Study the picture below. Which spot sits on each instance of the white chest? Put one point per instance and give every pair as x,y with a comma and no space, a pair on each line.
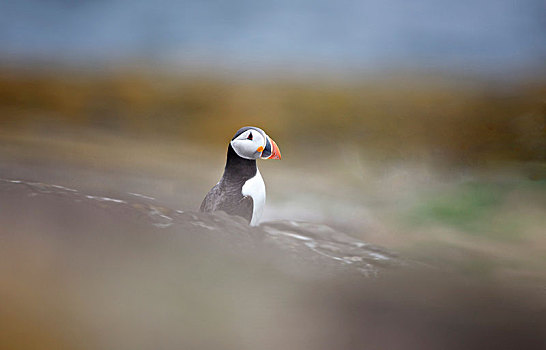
255,188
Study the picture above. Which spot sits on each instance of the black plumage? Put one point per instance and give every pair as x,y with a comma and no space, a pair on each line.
227,195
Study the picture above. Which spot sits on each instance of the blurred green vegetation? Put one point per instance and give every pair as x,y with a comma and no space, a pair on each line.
473,208
464,207
408,116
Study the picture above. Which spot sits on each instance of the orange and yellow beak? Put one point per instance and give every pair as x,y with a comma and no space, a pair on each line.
275,151
271,150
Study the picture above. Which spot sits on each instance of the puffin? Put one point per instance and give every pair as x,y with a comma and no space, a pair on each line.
241,190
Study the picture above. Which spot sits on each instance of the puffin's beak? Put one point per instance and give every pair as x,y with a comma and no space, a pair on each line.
271,150
275,152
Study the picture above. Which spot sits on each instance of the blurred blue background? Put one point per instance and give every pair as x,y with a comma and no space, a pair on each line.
499,37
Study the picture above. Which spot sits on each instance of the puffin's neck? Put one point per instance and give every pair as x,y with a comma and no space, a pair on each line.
238,169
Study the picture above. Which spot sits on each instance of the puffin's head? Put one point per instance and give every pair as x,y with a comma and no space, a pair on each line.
253,143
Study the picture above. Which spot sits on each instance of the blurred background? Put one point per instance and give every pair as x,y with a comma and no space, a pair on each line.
417,126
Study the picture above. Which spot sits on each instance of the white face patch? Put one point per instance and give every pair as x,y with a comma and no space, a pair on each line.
249,144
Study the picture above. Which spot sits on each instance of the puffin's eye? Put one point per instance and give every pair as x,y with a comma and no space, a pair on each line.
249,136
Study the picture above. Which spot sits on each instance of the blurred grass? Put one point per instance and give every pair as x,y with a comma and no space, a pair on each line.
472,208
464,207
406,116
